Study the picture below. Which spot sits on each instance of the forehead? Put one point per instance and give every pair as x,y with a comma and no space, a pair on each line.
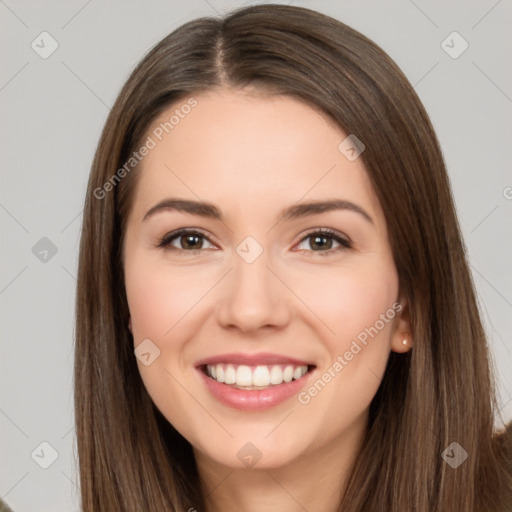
252,149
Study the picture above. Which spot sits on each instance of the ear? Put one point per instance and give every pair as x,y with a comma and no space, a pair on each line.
402,338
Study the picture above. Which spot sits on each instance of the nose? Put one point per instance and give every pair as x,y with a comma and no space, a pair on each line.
253,298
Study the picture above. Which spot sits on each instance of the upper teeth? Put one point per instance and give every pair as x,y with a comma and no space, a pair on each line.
254,375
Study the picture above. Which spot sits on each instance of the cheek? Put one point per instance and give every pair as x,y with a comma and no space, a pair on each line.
159,297
359,306
349,299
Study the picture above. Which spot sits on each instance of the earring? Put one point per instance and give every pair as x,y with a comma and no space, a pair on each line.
405,341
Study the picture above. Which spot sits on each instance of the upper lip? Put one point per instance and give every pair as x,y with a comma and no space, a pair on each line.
253,359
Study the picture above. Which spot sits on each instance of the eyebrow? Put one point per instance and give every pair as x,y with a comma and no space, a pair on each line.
295,211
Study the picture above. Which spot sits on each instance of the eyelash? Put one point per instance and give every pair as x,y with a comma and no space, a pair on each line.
345,244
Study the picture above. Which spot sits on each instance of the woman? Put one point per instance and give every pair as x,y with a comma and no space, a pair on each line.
274,309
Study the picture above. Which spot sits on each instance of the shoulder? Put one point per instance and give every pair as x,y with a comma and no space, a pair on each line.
502,447
4,507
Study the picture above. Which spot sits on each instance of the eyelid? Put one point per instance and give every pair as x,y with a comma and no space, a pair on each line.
165,241
343,240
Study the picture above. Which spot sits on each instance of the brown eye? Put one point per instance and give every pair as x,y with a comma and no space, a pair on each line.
191,241
320,242
323,241
184,240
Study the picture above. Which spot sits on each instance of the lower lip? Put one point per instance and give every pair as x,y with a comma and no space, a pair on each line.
254,399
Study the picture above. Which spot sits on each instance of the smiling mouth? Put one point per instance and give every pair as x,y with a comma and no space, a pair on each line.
255,377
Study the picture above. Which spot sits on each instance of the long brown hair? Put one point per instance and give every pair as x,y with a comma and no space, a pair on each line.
130,457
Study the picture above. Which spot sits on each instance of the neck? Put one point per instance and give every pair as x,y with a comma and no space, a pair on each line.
314,481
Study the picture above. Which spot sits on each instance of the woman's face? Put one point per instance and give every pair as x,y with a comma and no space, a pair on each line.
284,272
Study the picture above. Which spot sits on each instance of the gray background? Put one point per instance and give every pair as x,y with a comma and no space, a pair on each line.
52,111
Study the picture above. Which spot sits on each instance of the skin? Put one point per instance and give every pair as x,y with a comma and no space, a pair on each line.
252,155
